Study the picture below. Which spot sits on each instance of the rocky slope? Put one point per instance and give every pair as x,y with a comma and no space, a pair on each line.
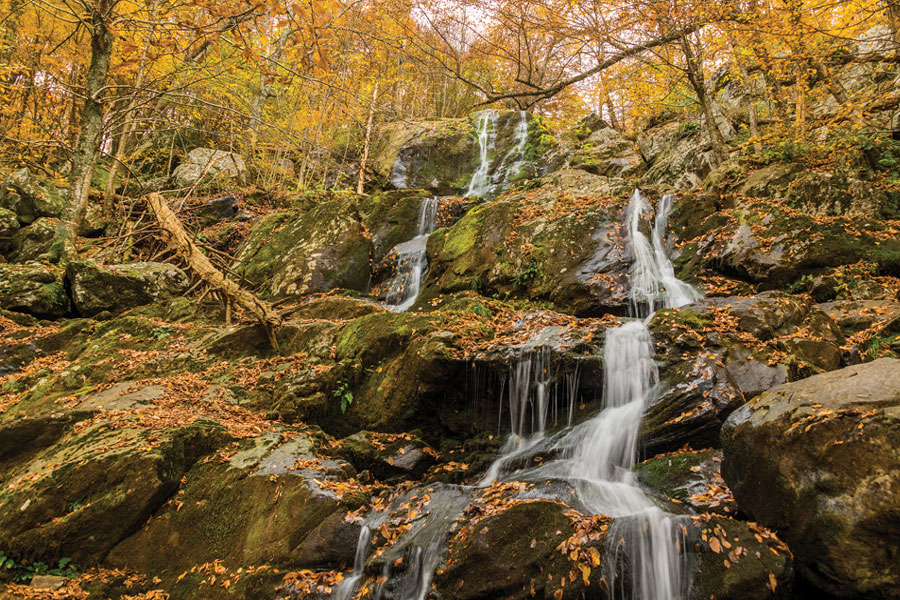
148,449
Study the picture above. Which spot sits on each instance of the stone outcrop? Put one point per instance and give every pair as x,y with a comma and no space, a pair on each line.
816,460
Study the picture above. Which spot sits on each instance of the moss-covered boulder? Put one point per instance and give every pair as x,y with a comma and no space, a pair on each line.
80,497
720,352
325,248
562,243
816,460
386,456
34,289
772,245
9,225
29,243
96,288
30,198
253,505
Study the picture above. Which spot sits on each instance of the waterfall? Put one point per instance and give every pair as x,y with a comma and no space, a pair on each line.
653,281
595,457
604,450
487,138
514,160
403,288
346,589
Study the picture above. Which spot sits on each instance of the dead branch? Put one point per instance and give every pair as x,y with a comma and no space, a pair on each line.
177,238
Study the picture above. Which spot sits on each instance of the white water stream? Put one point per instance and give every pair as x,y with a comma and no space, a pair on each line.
596,456
412,262
486,130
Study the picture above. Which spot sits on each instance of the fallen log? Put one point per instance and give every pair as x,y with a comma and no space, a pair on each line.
180,242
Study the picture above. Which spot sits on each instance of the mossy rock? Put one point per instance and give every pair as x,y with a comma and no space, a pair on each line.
745,562
514,554
30,197
326,248
96,288
9,225
253,507
81,497
572,259
34,289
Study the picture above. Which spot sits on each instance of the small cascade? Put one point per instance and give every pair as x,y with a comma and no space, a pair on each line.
346,589
514,161
487,138
653,281
403,288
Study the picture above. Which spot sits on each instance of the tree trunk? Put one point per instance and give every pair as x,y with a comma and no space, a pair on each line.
361,183
698,82
129,124
89,135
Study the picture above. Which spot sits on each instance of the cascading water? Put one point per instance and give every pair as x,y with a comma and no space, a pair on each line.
481,183
412,262
347,588
597,456
514,161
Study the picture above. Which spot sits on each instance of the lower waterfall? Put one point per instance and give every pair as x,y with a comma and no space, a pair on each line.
595,458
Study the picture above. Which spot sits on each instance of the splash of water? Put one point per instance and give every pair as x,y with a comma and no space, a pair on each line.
487,139
412,262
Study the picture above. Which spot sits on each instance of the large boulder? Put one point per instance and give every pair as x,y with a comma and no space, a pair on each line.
771,245
328,247
254,505
34,289
562,243
720,352
30,198
96,288
79,498
30,242
817,460
202,163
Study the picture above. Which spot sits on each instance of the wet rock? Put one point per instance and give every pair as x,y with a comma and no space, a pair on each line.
30,198
9,225
739,561
691,478
30,242
96,288
387,456
323,249
332,542
80,497
576,260
257,504
815,459
201,163
515,554
441,156
720,352
34,289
